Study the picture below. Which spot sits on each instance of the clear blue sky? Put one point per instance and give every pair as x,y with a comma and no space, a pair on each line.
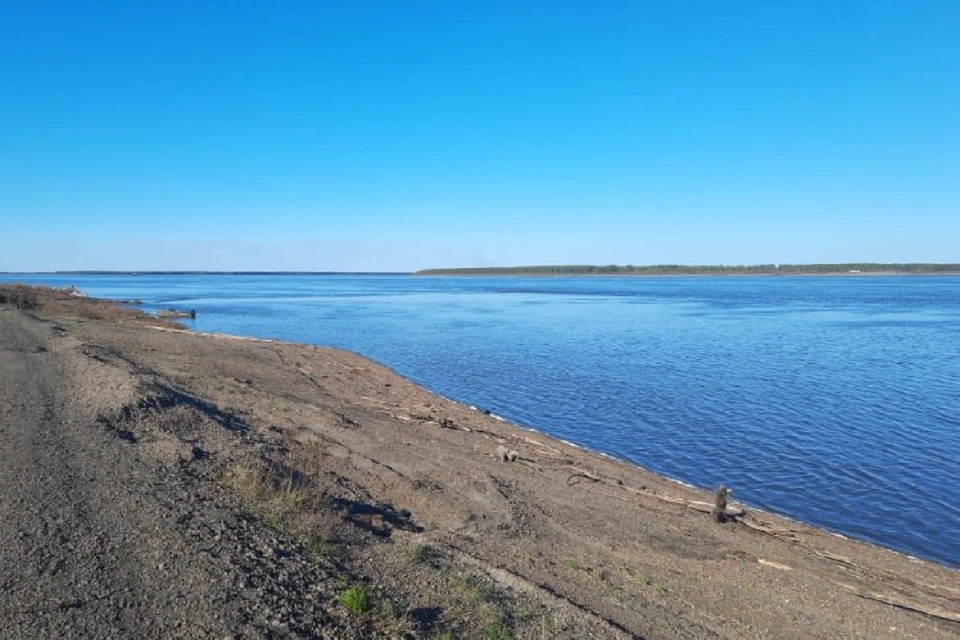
395,135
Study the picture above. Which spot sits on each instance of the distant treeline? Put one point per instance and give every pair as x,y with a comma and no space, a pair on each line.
700,270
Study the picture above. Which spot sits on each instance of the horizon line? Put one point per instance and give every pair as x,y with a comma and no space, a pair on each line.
767,265
137,272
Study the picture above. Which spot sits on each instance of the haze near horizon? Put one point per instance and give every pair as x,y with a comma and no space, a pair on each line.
370,137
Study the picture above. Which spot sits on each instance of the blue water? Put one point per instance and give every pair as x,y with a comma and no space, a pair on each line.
832,400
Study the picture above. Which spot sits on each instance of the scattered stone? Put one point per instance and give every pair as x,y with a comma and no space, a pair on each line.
507,455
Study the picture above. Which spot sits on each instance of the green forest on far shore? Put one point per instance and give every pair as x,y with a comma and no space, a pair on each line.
703,270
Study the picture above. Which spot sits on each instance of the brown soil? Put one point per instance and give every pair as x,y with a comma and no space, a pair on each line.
161,483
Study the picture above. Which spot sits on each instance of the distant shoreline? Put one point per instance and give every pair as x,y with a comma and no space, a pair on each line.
851,269
813,269
877,274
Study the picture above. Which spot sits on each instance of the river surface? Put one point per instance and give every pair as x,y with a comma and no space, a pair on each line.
833,400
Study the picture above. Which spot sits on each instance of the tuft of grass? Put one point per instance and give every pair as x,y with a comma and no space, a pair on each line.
296,500
646,581
355,600
548,626
419,553
250,483
276,493
278,522
472,589
496,632
319,549
394,621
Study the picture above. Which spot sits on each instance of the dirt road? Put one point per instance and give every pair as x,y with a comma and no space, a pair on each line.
97,541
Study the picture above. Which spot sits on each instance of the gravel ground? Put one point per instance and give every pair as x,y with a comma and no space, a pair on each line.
99,541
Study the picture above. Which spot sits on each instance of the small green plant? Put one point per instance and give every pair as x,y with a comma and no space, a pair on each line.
393,620
496,632
355,600
278,522
419,553
249,483
296,500
319,549
548,626
646,581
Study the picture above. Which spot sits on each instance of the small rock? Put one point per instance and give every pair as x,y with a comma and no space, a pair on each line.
507,455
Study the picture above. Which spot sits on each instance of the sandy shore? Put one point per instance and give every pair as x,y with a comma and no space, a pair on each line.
268,479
